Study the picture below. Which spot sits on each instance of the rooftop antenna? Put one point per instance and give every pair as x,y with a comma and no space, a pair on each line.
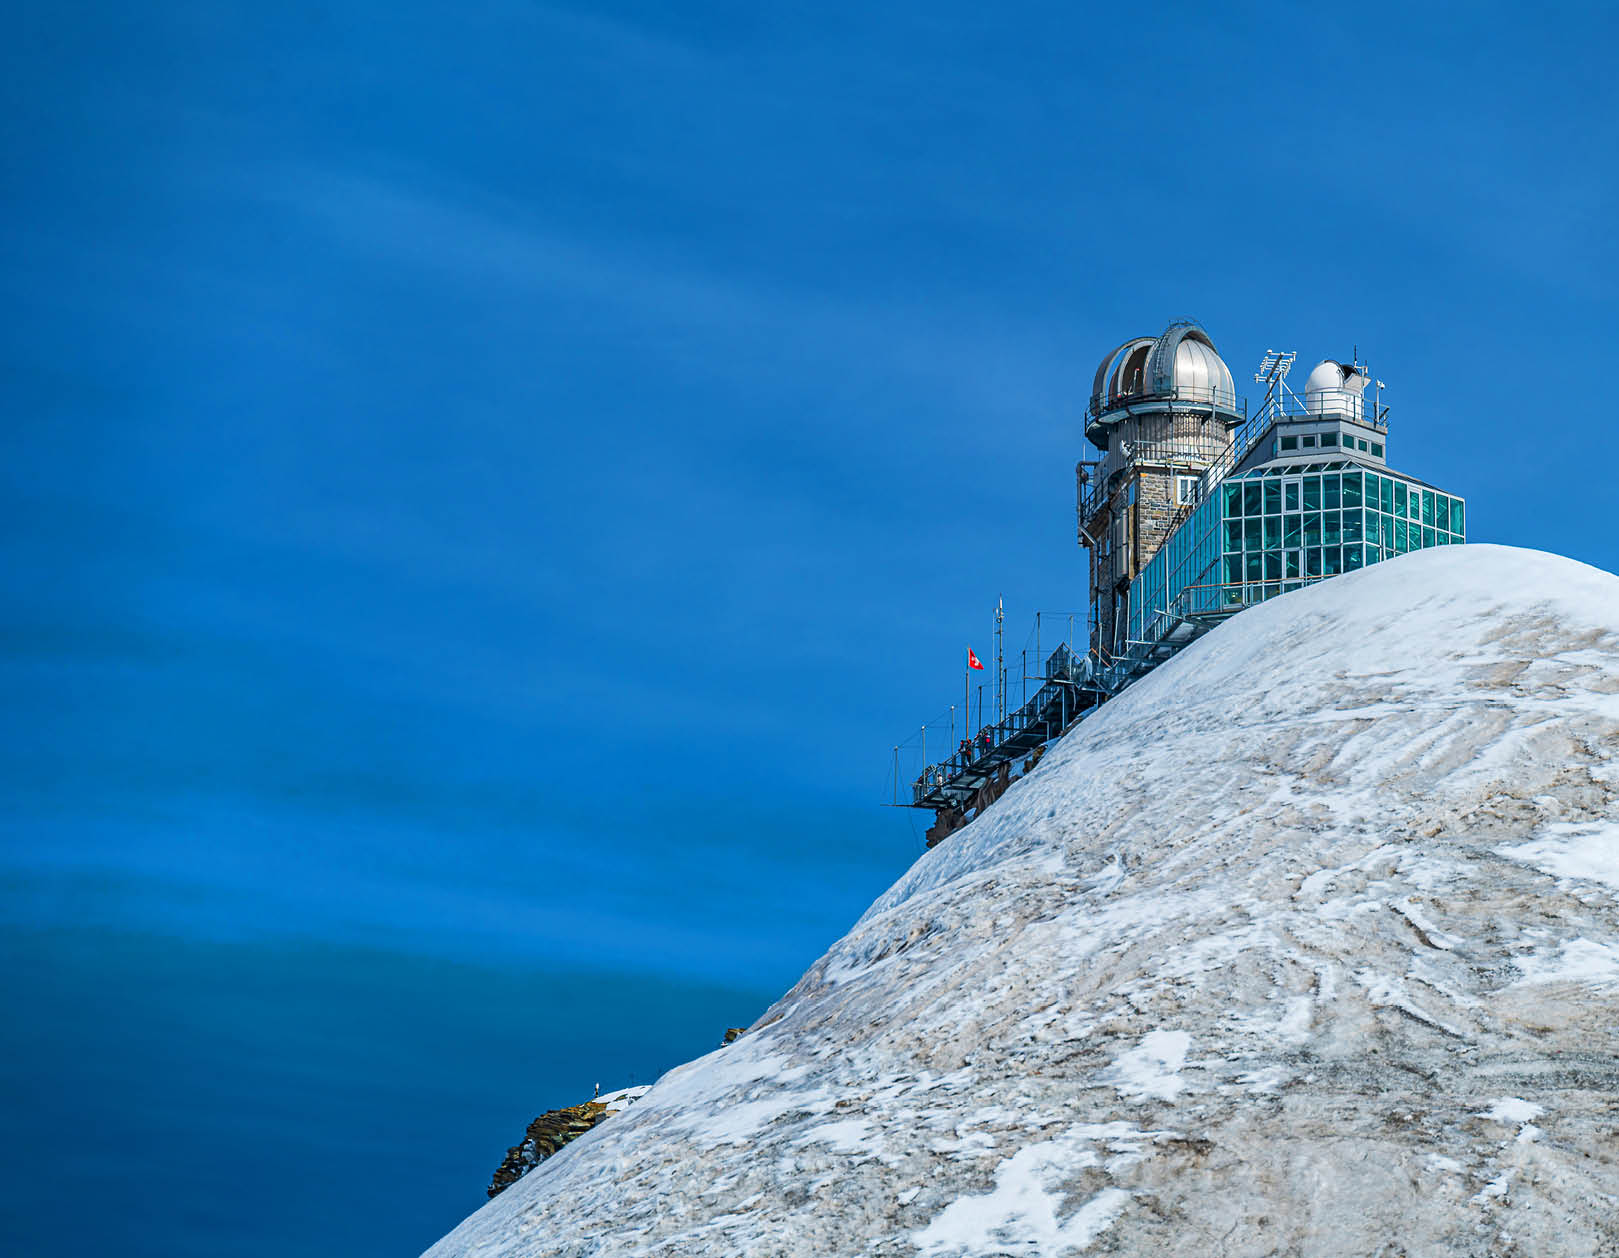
1272,372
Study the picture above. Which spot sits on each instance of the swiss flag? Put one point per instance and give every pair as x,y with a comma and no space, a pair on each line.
972,660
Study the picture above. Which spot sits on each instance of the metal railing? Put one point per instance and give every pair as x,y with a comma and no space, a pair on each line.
1221,399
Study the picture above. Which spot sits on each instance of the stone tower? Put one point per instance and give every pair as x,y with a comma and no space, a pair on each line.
1162,411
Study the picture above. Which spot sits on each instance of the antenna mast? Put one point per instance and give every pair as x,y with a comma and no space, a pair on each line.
1000,662
1272,372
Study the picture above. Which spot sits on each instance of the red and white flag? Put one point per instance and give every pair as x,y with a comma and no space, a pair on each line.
972,660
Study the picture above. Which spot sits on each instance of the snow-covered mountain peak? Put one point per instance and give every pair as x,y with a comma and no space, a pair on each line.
1308,942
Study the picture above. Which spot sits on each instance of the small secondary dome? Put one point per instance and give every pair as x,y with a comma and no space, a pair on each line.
1182,365
1335,389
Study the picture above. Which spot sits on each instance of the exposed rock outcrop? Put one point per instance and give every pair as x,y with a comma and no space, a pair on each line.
545,1135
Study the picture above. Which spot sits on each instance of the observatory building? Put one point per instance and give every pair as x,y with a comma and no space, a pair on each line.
1192,508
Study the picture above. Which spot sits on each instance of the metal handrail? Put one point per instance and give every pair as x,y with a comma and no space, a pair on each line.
1223,398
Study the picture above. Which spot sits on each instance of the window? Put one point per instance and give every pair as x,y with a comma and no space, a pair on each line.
1359,442
1290,497
1377,450
1185,490
1307,441
1329,438
1312,493
1289,443
1273,497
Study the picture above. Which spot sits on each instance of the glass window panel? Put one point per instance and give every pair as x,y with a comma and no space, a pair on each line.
1233,499
1233,568
1292,563
1290,443
1251,499
1352,558
1427,508
1252,537
1400,542
1332,561
1233,534
1273,497
1352,489
1458,523
1429,538
1273,531
1307,441
1312,493
1441,513
1329,438
1273,566
1331,491
1388,531
1352,524
1312,529
1290,496
1331,527
1312,562
1290,530
1256,567
1377,450
1399,498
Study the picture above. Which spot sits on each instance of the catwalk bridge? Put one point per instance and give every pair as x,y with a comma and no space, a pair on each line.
1071,685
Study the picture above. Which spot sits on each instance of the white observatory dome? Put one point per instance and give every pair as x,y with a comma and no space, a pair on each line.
1181,364
1334,389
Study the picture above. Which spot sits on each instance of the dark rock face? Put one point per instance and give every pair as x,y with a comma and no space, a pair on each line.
545,1135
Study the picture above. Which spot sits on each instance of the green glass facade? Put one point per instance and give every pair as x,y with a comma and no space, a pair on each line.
1278,527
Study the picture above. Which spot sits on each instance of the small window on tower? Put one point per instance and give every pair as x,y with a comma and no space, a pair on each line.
1307,440
1185,490
1290,443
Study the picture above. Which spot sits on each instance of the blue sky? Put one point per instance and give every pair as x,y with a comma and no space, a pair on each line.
492,485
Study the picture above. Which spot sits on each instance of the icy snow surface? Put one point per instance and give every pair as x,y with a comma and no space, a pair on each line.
1281,952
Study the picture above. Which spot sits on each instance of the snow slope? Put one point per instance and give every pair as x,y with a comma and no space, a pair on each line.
1308,943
